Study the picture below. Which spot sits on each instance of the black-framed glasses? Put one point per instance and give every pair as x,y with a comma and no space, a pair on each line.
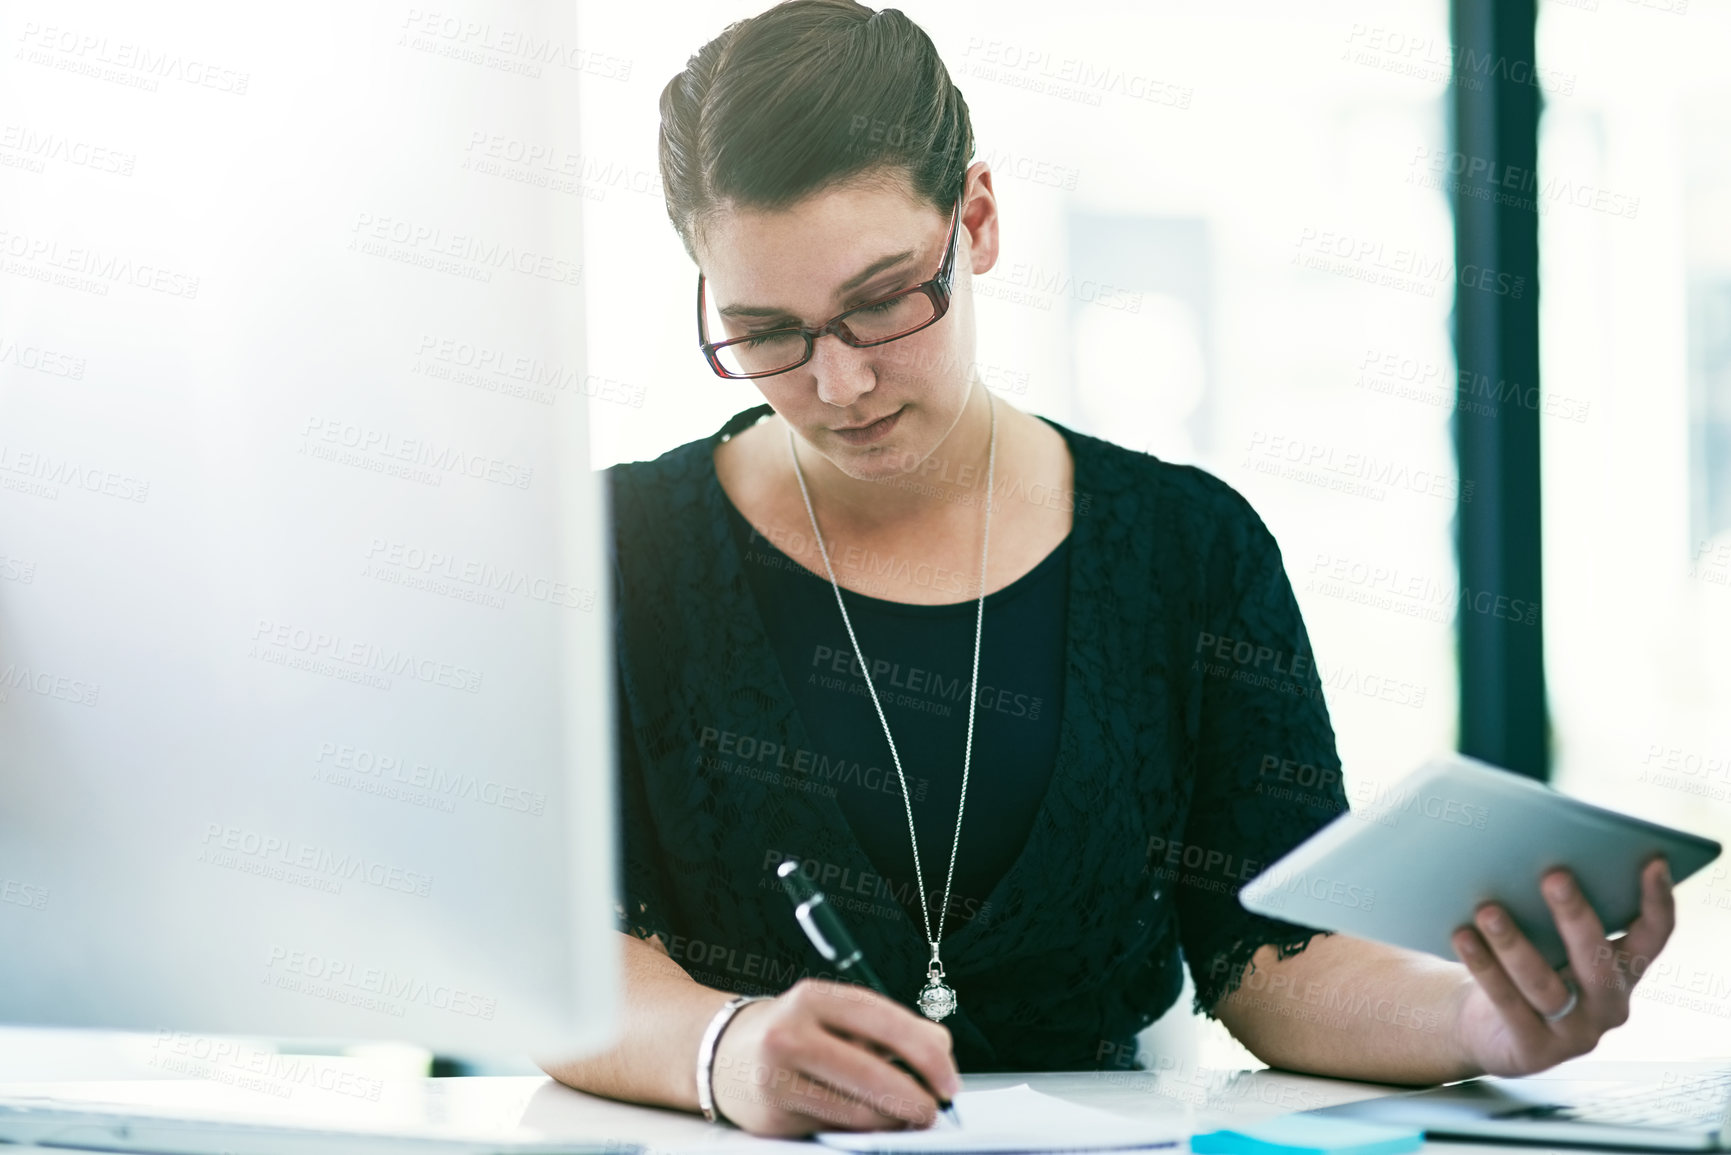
771,351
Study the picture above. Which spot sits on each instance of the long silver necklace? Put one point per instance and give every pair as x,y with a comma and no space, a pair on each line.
937,1000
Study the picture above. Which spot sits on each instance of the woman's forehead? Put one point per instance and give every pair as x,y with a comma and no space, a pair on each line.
768,256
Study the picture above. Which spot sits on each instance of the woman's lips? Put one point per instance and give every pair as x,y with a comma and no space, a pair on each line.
867,434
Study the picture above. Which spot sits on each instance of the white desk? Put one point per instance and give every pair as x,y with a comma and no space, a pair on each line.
526,1106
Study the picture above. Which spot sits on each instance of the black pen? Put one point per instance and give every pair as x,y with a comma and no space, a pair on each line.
823,926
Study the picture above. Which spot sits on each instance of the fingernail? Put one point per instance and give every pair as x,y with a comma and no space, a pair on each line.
1562,888
1665,872
1493,920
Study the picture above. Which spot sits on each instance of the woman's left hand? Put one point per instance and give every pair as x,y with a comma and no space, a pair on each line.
1503,1026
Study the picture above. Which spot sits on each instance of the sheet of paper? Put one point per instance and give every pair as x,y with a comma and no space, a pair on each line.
1015,1119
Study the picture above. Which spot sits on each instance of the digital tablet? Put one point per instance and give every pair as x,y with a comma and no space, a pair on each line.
1414,865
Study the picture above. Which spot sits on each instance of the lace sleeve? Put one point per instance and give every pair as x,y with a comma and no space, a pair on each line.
1267,774
642,906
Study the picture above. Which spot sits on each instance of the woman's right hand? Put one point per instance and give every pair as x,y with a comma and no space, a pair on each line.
817,1058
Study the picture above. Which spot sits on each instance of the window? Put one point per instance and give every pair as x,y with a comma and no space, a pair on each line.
1635,258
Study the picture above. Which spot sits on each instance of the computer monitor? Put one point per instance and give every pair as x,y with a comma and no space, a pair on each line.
305,668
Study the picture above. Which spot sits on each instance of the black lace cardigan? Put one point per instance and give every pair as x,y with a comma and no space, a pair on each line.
1195,749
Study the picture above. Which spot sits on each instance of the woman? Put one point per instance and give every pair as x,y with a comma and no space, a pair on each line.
1047,790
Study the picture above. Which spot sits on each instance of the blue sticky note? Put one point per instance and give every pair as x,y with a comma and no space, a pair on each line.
1300,1134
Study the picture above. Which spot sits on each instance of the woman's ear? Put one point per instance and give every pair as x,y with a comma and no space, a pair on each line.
980,218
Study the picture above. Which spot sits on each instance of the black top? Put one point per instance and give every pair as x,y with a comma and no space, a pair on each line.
922,662
1188,684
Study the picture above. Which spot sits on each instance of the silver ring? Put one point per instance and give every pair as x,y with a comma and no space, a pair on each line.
1574,1001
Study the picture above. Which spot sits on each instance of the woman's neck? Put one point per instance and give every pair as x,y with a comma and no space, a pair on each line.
932,515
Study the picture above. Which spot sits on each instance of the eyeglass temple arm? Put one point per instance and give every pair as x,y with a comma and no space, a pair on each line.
947,273
702,331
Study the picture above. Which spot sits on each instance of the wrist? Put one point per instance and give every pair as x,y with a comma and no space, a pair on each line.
707,1048
1463,1057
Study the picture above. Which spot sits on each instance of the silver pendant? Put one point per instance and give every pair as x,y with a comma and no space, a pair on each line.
937,1000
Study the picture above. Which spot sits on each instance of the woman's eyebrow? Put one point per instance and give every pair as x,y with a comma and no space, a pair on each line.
878,266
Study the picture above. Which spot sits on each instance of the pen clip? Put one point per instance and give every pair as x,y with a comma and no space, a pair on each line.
802,912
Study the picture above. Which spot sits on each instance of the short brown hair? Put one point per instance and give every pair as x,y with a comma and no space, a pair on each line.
804,96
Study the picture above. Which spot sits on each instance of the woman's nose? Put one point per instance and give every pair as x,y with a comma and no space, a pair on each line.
844,374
